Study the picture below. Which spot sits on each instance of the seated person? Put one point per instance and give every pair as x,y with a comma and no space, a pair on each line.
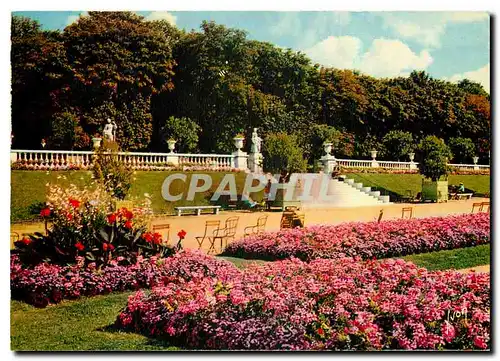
461,188
248,202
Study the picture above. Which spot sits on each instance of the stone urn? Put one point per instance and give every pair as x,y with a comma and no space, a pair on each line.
171,145
238,141
328,147
475,159
411,156
374,154
96,142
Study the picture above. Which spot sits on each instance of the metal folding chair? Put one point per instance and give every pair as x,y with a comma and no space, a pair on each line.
485,207
380,215
14,237
228,232
161,229
258,228
212,228
407,211
479,207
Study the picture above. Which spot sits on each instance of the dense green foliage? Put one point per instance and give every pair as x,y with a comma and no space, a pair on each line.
434,157
282,154
141,73
463,149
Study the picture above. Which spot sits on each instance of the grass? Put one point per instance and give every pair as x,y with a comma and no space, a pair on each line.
399,183
28,187
241,262
453,259
86,324
81,325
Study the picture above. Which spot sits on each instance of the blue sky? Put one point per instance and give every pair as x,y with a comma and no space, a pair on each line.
448,45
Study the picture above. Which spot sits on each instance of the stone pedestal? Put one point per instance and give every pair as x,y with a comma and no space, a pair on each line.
240,160
329,163
255,162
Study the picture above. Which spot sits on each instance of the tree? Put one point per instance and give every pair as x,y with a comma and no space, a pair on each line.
434,157
183,130
317,135
398,144
462,149
283,155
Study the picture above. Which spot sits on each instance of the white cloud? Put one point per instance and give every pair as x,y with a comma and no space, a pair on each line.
481,75
428,27
384,58
72,18
388,58
338,52
162,15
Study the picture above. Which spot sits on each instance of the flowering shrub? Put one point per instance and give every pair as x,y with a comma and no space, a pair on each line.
367,239
83,224
326,304
48,283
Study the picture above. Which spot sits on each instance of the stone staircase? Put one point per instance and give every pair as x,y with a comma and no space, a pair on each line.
345,193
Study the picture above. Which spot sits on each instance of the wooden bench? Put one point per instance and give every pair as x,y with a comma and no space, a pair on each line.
459,196
198,209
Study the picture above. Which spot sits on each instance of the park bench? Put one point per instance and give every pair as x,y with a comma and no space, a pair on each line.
198,209
459,196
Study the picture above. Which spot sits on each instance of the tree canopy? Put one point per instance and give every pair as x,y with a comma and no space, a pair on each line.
143,73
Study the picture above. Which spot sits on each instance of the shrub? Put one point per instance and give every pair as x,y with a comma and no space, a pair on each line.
282,154
114,174
183,130
84,224
48,283
326,304
398,144
462,149
367,240
434,154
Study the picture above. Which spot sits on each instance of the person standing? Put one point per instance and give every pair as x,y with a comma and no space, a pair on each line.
267,192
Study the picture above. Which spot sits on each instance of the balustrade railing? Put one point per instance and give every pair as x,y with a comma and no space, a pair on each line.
67,159
59,159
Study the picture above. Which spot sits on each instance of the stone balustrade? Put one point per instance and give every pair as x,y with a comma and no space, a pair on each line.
67,159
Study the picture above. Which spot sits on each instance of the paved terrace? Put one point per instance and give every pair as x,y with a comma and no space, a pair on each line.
195,225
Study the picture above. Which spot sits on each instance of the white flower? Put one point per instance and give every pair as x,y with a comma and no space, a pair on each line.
146,195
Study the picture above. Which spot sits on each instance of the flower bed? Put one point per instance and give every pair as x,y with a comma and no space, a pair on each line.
381,170
326,304
367,240
49,283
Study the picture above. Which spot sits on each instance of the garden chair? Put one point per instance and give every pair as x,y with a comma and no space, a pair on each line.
485,207
291,218
380,215
479,206
258,228
212,228
162,228
407,211
228,232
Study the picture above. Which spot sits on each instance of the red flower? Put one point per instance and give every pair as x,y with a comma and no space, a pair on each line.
111,247
320,331
45,212
148,237
182,234
69,216
112,218
79,246
157,238
126,213
74,203
105,247
26,241
128,225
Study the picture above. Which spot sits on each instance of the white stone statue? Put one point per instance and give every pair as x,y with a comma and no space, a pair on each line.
109,131
256,142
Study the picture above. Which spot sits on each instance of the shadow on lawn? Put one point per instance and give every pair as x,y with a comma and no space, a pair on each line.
156,342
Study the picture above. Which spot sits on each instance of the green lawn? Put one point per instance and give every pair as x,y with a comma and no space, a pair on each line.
453,259
28,187
84,324
399,183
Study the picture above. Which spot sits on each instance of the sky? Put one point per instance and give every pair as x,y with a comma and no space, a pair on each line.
448,45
